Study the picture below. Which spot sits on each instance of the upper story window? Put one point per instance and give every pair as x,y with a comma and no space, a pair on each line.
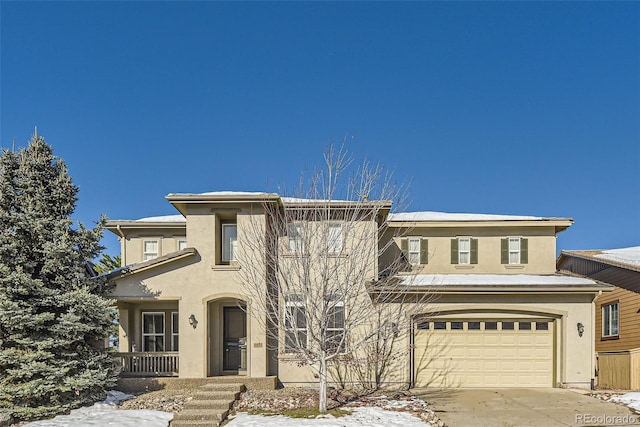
464,250
150,250
334,238
181,244
335,328
514,250
229,242
610,319
294,232
415,250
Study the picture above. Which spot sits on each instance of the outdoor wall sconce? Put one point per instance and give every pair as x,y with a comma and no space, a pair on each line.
192,321
580,328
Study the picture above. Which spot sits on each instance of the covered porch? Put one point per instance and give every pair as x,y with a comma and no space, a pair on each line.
149,339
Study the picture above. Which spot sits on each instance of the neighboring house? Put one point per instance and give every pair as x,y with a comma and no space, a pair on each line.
502,317
617,339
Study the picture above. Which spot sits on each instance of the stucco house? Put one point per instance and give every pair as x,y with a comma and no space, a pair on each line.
502,316
617,337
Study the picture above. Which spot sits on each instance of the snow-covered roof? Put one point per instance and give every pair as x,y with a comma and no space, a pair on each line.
629,255
164,218
436,280
446,216
223,193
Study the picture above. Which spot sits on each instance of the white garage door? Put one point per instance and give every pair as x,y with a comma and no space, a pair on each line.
484,353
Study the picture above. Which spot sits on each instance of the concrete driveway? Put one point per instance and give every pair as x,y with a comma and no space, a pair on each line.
546,407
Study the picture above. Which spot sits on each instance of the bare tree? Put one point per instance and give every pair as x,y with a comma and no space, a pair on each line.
326,256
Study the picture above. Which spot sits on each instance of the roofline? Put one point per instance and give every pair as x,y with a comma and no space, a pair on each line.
589,257
147,265
560,224
115,225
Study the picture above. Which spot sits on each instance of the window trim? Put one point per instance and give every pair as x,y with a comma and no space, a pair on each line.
154,334
178,244
145,252
608,320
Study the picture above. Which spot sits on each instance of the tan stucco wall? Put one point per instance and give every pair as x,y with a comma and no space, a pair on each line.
542,249
195,282
133,243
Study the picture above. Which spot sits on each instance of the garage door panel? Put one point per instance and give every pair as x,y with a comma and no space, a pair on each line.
484,358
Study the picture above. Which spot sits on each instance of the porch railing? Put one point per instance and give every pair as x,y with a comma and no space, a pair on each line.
142,364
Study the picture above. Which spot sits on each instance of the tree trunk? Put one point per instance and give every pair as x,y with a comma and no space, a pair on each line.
322,398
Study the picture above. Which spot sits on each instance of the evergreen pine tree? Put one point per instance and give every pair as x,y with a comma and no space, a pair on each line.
53,316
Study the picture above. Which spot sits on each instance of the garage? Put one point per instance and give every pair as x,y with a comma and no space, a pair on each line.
486,352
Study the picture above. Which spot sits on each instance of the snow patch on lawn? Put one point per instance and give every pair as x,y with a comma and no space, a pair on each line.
106,413
632,400
361,417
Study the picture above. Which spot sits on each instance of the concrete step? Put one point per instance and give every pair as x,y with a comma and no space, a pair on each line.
194,423
209,404
201,415
231,386
215,395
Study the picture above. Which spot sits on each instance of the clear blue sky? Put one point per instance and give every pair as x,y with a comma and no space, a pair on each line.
528,108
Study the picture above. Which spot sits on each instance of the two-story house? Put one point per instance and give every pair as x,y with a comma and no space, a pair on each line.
501,316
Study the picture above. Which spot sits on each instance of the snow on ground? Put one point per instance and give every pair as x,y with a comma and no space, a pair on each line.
632,400
361,417
107,414
626,255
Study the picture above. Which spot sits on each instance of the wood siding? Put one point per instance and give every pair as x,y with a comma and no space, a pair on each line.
619,370
629,326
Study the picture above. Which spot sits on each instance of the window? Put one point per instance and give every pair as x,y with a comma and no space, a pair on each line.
464,250
423,325
440,325
181,244
295,324
514,250
473,326
294,232
229,242
149,250
334,238
335,328
174,331
153,332
490,326
415,250
507,326
542,326
456,326
524,326
610,319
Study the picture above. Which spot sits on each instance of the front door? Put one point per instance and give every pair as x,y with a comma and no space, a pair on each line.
234,339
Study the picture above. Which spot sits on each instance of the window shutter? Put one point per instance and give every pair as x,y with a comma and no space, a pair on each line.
504,251
404,247
524,251
424,251
454,251
474,251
